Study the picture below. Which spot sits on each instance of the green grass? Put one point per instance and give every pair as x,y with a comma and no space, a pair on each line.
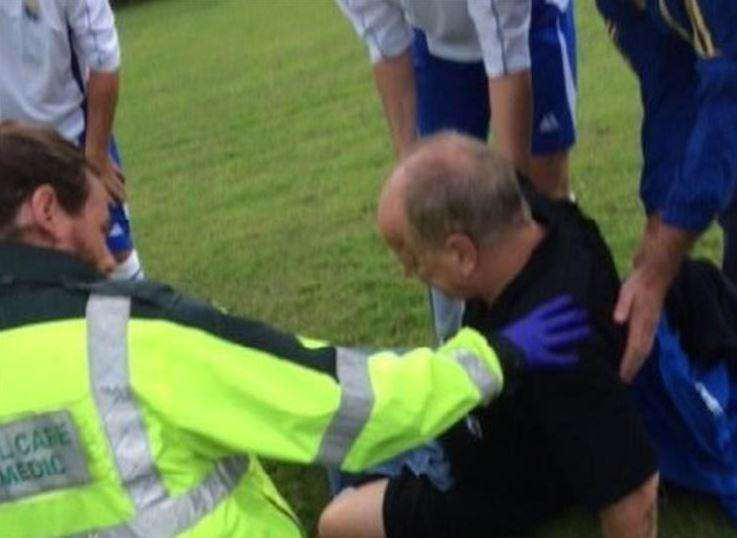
255,149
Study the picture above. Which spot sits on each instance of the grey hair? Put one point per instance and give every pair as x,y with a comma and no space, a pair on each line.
457,184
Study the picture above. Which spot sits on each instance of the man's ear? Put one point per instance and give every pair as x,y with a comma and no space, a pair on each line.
464,251
45,210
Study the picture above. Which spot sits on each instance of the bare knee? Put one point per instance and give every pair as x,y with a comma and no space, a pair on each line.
355,514
643,499
331,523
635,514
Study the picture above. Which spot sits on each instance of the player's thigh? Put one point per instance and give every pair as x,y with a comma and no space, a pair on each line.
413,507
120,239
450,95
553,65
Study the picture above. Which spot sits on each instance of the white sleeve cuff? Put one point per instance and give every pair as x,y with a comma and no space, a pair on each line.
503,29
380,24
94,34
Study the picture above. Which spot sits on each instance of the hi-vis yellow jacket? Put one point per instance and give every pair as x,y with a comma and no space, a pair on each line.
128,410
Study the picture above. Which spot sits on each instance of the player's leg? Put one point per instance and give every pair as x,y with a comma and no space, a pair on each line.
410,507
357,513
450,95
553,61
120,239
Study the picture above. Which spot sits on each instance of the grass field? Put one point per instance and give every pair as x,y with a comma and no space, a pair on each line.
255,149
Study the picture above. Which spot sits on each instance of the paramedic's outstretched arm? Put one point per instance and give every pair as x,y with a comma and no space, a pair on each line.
250,388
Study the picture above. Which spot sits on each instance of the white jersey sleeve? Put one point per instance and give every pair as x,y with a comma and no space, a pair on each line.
503,28
94,34
380,24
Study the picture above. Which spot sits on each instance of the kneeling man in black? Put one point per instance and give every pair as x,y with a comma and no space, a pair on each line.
454,215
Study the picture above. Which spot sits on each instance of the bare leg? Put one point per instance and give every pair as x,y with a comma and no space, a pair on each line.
550,174
357,513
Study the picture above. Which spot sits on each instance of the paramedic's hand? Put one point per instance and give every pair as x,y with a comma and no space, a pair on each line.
547,337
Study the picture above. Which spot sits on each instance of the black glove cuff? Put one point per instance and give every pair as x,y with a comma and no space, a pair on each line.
511,357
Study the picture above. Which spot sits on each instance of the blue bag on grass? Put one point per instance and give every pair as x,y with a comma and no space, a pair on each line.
691,415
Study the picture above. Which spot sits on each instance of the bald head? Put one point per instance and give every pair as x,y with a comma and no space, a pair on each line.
452,183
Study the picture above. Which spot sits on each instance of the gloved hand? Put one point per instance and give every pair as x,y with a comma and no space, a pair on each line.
546,338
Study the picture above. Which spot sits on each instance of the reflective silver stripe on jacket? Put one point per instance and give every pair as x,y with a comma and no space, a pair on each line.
156,514
357,399
488,384
107,353
356,403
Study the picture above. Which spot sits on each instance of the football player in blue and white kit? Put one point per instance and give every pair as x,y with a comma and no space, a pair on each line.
684,53
60,62
459,65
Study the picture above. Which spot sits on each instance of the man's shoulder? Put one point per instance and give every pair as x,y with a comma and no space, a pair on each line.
153,301
573,260
156,300
582,263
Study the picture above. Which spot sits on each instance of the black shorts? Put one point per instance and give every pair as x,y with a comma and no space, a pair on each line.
413,508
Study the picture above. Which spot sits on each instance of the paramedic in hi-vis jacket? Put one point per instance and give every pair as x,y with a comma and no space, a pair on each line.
129,410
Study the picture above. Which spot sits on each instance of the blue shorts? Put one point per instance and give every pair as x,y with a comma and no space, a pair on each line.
454,95
689,102
119,239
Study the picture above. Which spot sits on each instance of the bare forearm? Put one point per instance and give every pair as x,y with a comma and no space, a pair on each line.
663,249
395,81
511,117
102,98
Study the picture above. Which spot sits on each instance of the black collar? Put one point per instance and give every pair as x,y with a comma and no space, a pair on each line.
26,264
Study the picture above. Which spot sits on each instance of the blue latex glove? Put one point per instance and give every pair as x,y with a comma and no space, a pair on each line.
547,337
